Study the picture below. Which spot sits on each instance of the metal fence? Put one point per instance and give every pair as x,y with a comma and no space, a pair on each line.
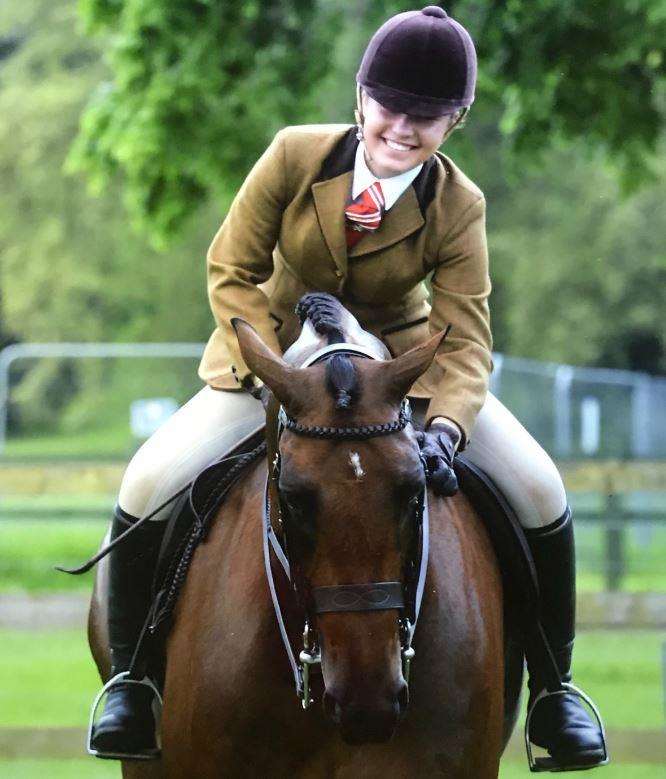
580,413
575,413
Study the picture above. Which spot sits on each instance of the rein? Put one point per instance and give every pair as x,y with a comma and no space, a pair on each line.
367,596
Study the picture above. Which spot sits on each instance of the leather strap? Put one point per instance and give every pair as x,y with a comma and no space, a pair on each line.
374,596
268,541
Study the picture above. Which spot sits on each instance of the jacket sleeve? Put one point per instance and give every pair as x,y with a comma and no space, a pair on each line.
241,254
460,289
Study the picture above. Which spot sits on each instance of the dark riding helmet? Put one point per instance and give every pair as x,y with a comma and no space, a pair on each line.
421,63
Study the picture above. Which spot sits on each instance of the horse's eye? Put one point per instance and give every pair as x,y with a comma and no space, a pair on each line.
299,517
294,508
299,503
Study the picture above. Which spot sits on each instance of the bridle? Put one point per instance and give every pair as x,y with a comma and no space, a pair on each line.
404,596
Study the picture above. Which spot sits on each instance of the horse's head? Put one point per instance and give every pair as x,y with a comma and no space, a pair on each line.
351,500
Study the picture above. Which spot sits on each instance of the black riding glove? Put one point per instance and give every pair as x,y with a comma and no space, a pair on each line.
438,447
323,310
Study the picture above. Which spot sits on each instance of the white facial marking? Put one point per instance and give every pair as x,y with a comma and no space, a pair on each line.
355,462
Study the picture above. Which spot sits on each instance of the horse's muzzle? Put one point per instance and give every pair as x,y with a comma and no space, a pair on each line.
362,723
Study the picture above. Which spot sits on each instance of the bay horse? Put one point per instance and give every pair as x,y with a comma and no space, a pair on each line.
345,507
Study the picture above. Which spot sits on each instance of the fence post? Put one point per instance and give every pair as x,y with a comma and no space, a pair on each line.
615,540
564,375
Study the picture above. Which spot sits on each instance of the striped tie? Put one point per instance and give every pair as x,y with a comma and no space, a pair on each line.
364,213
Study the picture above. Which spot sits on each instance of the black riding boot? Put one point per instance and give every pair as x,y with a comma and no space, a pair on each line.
126,727
560,723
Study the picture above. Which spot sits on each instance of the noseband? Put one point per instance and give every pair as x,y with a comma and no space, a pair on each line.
404,597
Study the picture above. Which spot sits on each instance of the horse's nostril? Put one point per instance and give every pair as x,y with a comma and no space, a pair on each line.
362,724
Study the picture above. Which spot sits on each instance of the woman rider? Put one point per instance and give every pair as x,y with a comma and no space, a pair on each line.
364,213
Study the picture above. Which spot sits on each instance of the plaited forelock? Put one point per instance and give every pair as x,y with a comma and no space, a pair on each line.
342,380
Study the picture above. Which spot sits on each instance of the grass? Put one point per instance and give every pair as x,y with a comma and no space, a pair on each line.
43,536
30,548
52,678
644,555
101,442
90,769
49,681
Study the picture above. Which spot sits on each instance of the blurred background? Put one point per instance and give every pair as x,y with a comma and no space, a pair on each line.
127,126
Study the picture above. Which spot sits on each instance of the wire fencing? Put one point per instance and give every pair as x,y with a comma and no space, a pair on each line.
585,413
575,413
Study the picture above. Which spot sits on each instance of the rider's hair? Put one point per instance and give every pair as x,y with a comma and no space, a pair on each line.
342,380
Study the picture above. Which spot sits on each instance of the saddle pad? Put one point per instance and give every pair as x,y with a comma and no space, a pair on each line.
507,536
202,498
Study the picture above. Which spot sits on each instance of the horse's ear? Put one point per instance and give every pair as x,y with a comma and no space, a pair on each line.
403,371
265,364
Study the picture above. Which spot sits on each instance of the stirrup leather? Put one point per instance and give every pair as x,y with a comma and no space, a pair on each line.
539,764
124,677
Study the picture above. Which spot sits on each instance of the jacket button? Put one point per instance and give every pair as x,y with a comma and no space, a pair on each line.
339,274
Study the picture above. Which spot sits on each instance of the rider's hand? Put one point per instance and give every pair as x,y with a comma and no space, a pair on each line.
438,447
323,311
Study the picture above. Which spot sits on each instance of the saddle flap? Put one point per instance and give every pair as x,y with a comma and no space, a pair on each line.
507,536
205,494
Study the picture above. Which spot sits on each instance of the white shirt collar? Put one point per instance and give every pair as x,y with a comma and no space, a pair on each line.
392,187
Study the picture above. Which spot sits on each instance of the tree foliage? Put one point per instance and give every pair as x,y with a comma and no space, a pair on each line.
578,69
71,268
187,102
199,86
580,271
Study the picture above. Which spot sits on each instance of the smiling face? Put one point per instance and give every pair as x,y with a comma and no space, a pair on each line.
395,143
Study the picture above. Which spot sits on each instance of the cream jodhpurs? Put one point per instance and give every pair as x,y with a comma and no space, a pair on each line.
213,421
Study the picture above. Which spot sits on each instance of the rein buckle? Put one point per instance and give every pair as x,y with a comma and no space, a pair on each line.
310,655
406,649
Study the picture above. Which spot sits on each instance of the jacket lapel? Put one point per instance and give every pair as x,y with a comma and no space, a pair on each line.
330,195
329,198
401,220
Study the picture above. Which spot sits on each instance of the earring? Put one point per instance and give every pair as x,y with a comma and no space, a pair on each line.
359,126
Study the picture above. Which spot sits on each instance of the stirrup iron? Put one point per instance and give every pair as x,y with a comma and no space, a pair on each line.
539,764
124,677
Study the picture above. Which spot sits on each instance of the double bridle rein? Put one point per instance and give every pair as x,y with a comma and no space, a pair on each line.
405,596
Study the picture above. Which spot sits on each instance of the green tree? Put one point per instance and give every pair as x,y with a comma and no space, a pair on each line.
581,270
568,250
198,87
71,268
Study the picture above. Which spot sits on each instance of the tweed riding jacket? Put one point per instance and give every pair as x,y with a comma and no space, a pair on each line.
284,236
